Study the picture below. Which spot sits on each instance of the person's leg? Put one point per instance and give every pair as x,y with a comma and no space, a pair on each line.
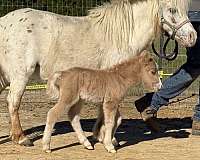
196,119
172,87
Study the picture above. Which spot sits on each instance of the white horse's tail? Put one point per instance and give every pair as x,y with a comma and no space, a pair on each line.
3,81
52,88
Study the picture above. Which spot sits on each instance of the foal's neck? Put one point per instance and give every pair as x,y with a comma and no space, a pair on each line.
129,71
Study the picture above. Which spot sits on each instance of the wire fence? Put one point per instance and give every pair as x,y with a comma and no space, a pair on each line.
80,8
65,7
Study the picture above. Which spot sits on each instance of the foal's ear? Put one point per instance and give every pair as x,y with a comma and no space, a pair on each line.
146,57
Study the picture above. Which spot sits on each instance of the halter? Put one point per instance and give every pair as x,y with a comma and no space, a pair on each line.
163,54
173,27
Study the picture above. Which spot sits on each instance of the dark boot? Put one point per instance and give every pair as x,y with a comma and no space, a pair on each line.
149,115
144,102
196,128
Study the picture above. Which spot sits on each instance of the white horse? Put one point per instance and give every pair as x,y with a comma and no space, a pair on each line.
109,35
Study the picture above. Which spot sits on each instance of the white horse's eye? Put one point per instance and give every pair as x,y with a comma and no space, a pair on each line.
173,10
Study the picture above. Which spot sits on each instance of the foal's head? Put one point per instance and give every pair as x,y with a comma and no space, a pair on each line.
149,72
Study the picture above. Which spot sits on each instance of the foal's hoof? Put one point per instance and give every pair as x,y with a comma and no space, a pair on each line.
47,151
26,142
112,151
98,138
46,148
89,147
115,142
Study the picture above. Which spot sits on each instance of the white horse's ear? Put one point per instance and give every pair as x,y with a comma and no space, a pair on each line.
113,1
119,0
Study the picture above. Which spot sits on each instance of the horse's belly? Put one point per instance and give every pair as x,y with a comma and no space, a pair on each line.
90,97
67,61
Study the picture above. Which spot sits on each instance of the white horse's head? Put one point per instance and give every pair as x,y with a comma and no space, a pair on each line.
175,22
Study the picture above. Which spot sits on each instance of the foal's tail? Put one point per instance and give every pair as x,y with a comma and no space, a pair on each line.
52,87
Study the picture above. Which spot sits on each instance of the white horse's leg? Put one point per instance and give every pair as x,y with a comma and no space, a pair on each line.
17,87
110,111
75,122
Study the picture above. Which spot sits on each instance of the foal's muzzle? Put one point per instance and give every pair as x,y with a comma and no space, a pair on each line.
157,86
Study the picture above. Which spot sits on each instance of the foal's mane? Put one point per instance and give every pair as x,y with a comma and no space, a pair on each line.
124,64
133,62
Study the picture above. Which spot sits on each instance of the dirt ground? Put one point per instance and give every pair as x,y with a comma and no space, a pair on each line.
136,142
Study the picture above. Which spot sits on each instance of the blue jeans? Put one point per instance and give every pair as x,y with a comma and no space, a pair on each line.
175,85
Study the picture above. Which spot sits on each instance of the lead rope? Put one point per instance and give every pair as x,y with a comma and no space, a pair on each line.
168,56
163,46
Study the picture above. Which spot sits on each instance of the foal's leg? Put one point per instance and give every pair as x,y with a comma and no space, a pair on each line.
118,121
17,87
99,128
52,116
110,111
75,122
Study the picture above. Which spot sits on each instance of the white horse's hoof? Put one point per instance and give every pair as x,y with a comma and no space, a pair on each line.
26,142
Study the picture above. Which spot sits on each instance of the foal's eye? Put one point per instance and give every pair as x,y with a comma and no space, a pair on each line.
153,72
173,10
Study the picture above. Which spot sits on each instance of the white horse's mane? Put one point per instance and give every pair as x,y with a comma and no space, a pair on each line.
117,19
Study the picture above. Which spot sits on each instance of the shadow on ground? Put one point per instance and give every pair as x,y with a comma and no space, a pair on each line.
131,131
